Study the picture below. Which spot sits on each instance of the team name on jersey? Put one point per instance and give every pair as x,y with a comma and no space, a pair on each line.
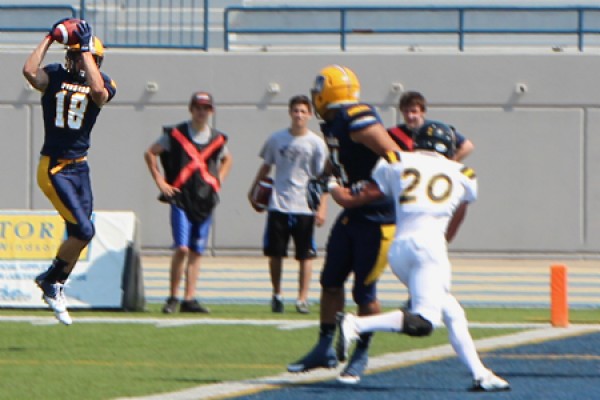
72,87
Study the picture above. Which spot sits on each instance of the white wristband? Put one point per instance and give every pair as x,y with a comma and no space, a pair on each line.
332,183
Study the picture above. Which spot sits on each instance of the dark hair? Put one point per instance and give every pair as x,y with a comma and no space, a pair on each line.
300,99
410,99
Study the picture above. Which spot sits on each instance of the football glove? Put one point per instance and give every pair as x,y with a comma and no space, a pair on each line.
357,187
57,23
315,189
85,35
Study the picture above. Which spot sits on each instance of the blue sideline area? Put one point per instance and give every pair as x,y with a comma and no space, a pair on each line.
562,369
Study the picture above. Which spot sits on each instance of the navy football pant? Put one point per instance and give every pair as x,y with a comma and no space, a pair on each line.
67,185
359,247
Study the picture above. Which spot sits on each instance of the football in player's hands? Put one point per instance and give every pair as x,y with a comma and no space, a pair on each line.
261,193
65,32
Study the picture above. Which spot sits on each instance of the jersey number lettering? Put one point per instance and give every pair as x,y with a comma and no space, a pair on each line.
75,109
438,189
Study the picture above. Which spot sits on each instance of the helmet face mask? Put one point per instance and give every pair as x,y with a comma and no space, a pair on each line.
335,86
73,55
438,137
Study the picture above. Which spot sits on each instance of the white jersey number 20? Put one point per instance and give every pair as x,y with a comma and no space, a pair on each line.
437,188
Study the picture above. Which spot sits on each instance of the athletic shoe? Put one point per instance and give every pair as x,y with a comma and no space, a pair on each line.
490,383
54,296
192,306
356,367
313,360
170,305
302,307
49,289
276,304
61,312
346,324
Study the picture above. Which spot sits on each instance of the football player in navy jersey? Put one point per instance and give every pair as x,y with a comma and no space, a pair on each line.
72,97
359,240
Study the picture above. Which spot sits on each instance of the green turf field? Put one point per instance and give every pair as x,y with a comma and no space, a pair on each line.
104,360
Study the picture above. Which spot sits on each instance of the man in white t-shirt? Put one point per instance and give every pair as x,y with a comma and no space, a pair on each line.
432,193
297,154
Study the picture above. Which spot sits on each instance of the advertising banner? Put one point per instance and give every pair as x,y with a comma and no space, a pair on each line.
29,241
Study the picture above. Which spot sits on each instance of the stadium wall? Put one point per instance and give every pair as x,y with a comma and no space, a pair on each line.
534,119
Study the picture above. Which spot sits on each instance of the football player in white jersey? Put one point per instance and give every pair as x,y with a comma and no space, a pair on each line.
432,193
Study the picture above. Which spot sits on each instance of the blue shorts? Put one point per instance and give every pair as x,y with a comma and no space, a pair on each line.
193,235
357,246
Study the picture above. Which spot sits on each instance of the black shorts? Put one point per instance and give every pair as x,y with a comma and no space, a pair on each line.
280,226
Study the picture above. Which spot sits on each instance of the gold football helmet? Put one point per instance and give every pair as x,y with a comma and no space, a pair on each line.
334,86
97,50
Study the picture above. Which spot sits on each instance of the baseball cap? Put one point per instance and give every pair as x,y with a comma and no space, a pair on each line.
202,98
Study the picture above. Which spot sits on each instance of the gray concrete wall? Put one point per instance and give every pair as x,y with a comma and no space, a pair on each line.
536,152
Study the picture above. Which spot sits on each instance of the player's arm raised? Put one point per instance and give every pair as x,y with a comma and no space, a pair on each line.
92,73
35,75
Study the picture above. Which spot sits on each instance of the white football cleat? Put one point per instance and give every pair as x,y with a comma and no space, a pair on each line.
349,379
348,334
58,304
490,383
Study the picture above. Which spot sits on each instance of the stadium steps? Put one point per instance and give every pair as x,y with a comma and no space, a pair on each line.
476,282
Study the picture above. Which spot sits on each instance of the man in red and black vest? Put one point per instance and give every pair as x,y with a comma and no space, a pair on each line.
413,107
195,160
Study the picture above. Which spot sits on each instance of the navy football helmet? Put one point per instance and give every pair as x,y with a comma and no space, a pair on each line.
437,137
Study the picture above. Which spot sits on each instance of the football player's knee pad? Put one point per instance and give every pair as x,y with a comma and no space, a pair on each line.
84,231
416,325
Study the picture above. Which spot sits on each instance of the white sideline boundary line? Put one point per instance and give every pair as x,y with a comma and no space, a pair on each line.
165,322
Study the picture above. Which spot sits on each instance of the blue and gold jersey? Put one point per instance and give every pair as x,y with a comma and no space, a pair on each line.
69,113
354,162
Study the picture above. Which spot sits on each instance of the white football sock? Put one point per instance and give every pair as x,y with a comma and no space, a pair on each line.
460,337
388,322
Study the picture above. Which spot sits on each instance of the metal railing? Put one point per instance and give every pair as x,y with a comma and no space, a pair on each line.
32,18
184,24
458,22
173,24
